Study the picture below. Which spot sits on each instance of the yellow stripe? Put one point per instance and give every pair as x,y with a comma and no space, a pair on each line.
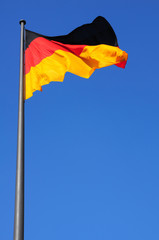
103,55
53,68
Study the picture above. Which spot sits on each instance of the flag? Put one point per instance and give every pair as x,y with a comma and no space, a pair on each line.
88,47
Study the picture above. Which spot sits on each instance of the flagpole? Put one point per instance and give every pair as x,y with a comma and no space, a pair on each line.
19,192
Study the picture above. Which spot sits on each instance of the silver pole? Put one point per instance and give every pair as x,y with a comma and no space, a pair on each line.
19,192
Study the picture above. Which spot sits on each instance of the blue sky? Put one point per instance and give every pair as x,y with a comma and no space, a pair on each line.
91,145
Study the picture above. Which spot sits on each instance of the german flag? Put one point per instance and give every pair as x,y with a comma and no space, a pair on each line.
88,47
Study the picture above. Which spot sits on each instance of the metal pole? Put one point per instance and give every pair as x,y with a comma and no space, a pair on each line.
19,192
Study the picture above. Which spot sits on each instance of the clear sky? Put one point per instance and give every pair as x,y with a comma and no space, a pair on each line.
91,145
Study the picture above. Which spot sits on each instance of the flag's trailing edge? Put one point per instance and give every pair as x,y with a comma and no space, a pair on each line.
85,49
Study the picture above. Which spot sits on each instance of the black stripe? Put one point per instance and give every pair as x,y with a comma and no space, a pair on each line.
97,32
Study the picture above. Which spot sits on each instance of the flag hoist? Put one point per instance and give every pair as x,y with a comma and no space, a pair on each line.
47,59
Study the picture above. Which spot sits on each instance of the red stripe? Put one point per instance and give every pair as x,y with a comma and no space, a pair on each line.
41,48
121,64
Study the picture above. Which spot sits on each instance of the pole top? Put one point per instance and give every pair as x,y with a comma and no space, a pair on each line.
22,20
